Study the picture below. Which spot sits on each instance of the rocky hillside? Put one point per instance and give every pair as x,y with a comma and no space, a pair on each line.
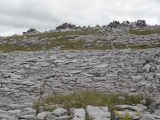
134,35
119,57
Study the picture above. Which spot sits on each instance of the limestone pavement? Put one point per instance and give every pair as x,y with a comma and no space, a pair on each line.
23,73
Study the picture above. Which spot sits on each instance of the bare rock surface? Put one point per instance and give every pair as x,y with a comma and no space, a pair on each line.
22,75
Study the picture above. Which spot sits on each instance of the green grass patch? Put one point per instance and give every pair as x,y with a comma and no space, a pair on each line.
12,48
84,98
145,32
63,43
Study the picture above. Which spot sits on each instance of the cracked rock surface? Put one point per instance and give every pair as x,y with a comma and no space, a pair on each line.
23,73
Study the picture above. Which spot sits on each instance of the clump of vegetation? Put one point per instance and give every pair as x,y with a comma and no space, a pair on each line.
126,115
11,48
119,116
84,98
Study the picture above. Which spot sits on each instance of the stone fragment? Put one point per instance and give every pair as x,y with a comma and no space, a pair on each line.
150,117
60,61
17,111
147,67
75,72
102,66
143,102
137,78
59,112
98,113
28,117
4,106
155,104
89,75
157,112
43,64
138,107
78,114
121,97
14,76
65,117
8,116
133,90
3,56
136,117
96,74
158,75
29,112
17,106
43,115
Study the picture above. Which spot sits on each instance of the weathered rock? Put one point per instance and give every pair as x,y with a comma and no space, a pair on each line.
65,117
67,26
150,117
8,116
43,115
31,31
17,106
78,114
143,102
59,112
155,104
147,67
138,107
98,113
28,117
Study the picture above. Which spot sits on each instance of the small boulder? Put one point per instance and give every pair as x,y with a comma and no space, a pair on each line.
42,115
59,112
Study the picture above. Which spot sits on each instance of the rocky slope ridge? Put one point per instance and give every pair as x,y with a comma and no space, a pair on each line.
115,70
134,35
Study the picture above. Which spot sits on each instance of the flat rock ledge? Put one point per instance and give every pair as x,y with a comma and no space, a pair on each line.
23,75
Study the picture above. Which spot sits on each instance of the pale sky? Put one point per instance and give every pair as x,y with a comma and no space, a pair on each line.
17,16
